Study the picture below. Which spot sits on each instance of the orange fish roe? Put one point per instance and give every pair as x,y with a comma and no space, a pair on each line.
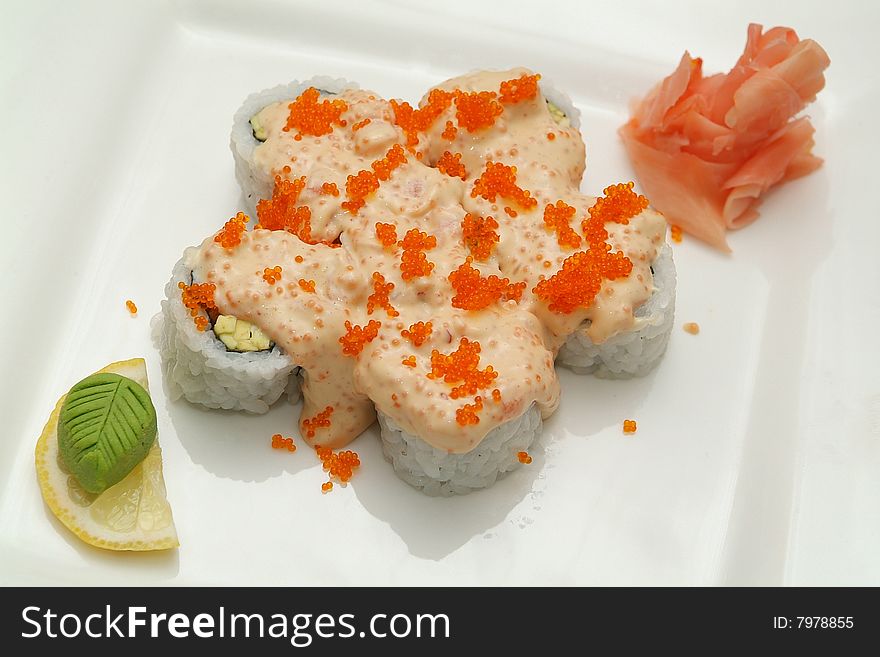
281,213
327,486
476,109
387,234
280,442
358,187
473,292
418,333
197,297
307,286
298,258
451,165
461,366
496,396
360,124
413,262
132,308
272,276
551,136
379,297
467,414
579,280
629,426
385,165
675,233
450,131
558,218
524,458
356,336
500,180
230,235
414,121
320,421
479,235
525,87
329,189
619,204
691,327
340,465
409,361
310,117
510,211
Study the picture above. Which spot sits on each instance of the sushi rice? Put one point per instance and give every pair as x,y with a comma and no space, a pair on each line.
255,184
634,353
198,366
437,472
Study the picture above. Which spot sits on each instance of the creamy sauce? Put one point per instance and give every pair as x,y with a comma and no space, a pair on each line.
519,340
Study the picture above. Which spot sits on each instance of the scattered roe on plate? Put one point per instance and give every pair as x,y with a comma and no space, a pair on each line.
309,116
281,212
675,233
272,275
474,292
307,285
198,297
280,442
417,333
496,396
358,187
386,234
476,109
230,235
480,235
132,308
691,327
525,87
524,458
450,131
558,218
413,261
356,337
450,164
462,367
629,426
320,421
339,465
409,361
379,297
499,179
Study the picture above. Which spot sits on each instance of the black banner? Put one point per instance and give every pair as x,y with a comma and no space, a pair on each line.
432,621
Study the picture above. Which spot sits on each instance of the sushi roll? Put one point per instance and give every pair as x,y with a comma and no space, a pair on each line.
220,361
249,132
439,472
635,352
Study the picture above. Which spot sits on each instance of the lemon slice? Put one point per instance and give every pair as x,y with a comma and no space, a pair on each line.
133,514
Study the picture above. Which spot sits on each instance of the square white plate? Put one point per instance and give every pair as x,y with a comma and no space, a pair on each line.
758,450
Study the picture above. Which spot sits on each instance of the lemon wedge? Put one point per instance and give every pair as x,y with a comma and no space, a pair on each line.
133,514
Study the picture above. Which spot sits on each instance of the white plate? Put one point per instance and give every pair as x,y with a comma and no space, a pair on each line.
758,450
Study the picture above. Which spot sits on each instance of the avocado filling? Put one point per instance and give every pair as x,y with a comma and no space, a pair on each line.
258,128
558,115
239,335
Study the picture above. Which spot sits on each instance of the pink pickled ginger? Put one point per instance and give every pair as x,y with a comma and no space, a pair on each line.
706,148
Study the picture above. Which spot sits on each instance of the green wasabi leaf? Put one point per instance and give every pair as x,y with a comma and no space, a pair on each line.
106,427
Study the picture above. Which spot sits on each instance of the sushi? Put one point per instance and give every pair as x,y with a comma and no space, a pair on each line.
427,266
